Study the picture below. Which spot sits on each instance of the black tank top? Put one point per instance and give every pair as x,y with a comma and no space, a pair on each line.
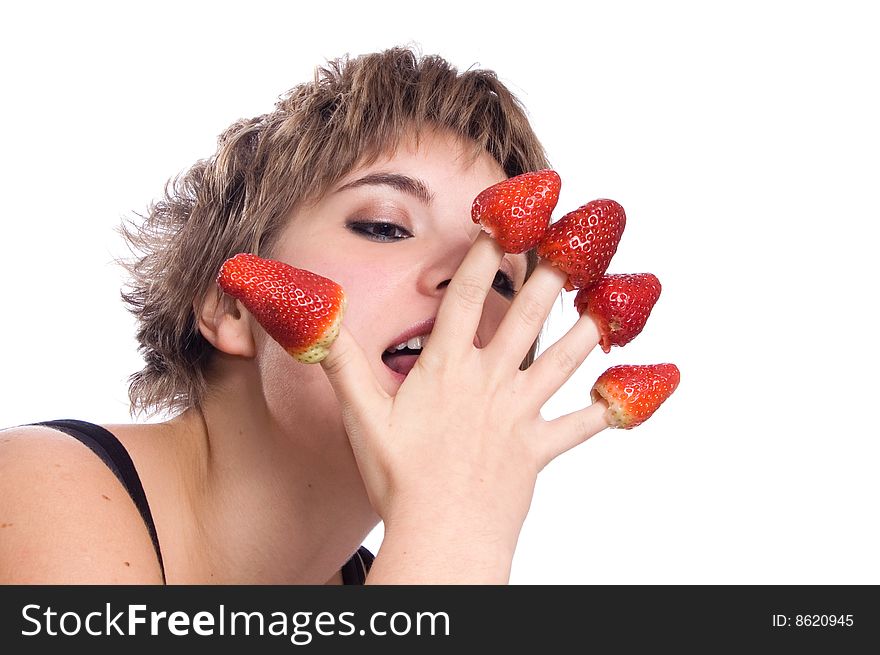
106,446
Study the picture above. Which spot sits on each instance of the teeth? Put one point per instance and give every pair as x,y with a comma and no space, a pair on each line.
416,343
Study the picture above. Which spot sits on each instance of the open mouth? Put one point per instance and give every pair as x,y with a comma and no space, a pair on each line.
401,358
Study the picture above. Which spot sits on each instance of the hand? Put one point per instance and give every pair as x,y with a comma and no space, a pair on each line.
463,440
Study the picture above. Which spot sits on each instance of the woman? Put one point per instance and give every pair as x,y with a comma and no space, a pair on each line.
272,471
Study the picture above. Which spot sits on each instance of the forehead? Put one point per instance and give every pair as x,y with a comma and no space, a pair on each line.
438,151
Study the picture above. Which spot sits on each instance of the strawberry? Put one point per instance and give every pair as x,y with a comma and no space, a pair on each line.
620,305
582,242
299,309
516,212
634,393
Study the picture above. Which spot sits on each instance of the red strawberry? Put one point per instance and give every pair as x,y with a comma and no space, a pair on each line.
634,393
516,212
620,305
582,242
299,309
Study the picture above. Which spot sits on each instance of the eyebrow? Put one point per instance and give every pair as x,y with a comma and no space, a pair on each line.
409,185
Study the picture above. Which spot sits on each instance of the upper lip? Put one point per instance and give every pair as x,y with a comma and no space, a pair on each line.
417,330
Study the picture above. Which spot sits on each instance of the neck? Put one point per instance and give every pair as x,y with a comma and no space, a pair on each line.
273,500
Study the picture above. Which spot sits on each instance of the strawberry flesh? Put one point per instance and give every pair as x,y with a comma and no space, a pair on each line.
620,305
582,242
516,212
301,310
634,393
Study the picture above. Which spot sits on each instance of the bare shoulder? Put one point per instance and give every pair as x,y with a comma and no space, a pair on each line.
64,516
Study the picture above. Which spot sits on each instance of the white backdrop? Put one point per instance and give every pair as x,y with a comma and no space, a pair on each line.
743,143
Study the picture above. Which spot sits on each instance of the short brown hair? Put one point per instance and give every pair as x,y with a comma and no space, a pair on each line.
238,200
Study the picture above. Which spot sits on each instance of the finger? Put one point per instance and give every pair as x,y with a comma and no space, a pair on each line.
527,314
559,362
566,432
351,376
462,307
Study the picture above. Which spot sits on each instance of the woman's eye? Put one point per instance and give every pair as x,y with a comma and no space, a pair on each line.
379,231
504,284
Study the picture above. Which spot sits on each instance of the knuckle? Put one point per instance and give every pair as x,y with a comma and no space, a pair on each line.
336,363
583,428
469,292
564,360
531,311
432,363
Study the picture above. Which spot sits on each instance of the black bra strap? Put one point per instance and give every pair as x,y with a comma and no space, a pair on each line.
106,446
355,570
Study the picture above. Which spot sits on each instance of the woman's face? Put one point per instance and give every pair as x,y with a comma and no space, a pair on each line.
392,234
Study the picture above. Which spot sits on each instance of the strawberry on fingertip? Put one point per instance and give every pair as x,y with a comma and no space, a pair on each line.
516,212
634,392
620,305
301,310
582,242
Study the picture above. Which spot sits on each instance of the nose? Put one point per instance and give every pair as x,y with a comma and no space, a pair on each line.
441,259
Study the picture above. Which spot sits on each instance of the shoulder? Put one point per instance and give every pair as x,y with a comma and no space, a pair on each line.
64,516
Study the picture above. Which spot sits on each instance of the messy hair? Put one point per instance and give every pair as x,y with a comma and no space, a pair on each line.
238,199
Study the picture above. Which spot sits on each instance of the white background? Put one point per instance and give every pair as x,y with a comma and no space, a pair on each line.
742,141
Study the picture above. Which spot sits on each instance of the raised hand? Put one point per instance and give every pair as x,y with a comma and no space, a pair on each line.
457,450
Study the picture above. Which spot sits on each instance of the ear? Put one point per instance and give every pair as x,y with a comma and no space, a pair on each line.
224,323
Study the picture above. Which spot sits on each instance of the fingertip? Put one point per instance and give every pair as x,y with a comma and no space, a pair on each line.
601,407
486,241
485,237
551,271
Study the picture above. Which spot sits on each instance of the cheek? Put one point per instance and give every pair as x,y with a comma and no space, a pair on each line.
369,293
375,291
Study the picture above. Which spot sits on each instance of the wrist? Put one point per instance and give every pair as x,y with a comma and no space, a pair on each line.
428,549
456,522
415,556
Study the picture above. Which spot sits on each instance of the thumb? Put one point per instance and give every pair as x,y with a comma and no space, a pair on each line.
351,375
